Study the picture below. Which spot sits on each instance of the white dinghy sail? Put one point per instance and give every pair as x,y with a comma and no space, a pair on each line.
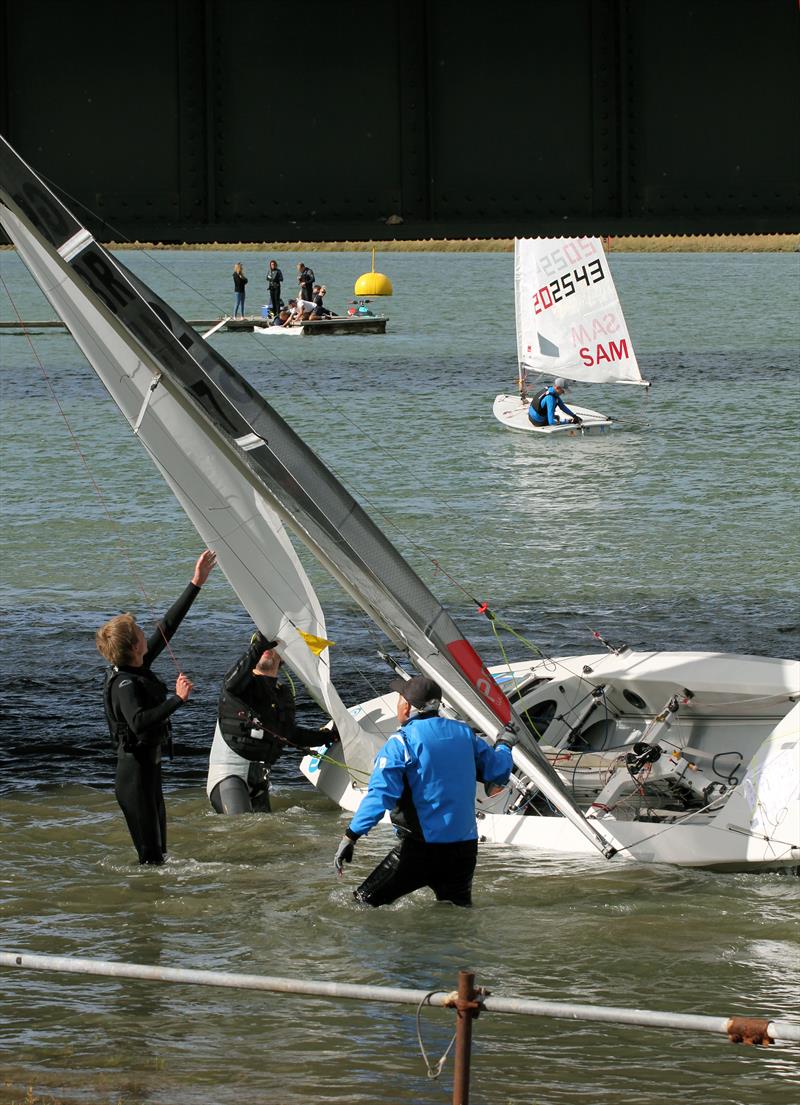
245,448
569,323
251,541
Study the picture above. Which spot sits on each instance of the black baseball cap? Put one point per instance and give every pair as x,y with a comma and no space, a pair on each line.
418,690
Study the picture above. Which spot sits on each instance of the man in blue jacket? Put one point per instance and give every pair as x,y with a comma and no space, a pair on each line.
425,777
542,411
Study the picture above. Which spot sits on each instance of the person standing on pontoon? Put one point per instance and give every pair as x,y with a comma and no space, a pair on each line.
542,411
274,281
239,281
255,724
425,777
305,278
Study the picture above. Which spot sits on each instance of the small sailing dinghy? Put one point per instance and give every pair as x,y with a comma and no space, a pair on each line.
683,758
569,324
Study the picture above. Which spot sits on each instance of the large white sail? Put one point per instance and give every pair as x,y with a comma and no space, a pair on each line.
247,441
569,319
253,548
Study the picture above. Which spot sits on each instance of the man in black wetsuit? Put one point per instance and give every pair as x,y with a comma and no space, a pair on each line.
256,722
305,278
138,710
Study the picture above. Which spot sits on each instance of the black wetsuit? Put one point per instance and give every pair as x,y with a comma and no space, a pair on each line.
274,281
257,720
138,709
320,310
306,281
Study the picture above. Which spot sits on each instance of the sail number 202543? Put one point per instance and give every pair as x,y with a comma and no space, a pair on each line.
564,286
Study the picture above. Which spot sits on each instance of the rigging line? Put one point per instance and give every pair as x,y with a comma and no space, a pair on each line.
433,1072
421,550
675,824
353,772
223,538
301,379
525,714
101,497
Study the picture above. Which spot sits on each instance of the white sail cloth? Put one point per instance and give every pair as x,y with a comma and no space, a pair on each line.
569,319
261,471
252,545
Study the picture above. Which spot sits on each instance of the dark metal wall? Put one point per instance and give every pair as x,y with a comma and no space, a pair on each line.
191,120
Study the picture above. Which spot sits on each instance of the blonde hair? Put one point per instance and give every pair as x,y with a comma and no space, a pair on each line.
117,638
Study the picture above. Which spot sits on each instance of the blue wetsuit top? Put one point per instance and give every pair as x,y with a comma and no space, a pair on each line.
542,411
431,763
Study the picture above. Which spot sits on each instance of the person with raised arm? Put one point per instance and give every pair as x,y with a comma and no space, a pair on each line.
256,724
138,710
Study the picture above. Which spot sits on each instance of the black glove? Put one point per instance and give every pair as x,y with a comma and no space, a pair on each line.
258,640
330,736
344,854
577,421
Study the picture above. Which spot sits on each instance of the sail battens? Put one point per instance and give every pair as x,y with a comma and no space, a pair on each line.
249,441
73,246
145,404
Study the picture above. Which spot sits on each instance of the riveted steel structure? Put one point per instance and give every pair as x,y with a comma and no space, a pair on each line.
196,120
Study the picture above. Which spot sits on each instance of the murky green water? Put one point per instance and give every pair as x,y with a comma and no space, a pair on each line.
678,532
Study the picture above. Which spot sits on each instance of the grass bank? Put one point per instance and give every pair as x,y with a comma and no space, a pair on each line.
696,243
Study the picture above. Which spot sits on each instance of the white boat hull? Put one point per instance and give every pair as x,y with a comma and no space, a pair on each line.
682,846
273,331
512,411
740,718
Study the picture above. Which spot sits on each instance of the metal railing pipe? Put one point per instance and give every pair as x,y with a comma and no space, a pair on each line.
733,1027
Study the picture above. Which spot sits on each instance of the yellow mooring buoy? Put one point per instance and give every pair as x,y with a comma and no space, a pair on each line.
373,283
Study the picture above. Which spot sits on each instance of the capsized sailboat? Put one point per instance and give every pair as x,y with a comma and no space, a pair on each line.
569,323
689,759
239,471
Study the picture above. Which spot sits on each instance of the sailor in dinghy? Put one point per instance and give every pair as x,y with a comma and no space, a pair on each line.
569,325
542,411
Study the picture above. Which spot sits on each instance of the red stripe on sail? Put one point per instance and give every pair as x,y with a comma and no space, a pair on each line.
475,670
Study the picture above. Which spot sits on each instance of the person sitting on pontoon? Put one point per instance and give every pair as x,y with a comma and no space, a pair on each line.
320,310
542,411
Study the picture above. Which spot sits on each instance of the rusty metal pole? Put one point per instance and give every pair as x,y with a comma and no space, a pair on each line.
465,1011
